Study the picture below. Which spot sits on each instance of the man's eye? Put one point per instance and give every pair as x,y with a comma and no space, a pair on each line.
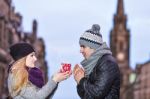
82,46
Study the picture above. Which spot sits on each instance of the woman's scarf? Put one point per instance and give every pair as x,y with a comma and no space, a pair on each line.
89,64
36,77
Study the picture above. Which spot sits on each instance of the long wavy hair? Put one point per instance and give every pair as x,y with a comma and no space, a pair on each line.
19,76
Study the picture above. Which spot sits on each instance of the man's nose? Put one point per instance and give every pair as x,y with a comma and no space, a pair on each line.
81,50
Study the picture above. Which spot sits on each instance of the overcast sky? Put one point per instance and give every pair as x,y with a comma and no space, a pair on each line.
61,22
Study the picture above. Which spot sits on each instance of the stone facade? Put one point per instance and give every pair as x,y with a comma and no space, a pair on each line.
134,83
11,32
142,83
120,45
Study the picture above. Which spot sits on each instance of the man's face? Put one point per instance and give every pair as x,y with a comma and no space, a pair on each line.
86,51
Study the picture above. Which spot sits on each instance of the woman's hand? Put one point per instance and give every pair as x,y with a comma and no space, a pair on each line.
60,76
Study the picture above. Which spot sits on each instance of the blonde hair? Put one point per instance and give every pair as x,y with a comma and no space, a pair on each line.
20,76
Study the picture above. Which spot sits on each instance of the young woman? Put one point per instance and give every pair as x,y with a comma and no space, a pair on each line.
25,81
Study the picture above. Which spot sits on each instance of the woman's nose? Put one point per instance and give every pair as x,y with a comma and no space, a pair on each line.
35,58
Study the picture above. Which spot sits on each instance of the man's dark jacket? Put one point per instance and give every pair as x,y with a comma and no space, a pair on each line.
103,82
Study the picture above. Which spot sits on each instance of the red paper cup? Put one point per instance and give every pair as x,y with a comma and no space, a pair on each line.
66,67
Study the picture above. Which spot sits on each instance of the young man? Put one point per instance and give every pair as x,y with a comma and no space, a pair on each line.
100,76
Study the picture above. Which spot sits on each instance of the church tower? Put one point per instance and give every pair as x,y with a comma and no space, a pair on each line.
120,45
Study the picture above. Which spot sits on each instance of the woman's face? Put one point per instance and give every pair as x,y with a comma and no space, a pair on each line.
30,60
86,51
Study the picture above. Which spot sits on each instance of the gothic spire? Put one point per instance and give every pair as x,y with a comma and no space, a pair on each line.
120,8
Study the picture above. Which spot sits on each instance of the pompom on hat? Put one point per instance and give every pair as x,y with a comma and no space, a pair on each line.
92,37
20,50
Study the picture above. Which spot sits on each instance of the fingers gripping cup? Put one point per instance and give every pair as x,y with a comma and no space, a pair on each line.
66,67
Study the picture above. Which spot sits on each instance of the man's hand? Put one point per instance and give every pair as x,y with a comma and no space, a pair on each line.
78,73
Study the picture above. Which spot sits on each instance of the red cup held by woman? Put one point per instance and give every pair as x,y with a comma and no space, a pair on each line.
66,67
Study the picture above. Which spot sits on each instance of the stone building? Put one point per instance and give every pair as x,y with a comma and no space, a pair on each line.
134,83
142,83
120,45
11,32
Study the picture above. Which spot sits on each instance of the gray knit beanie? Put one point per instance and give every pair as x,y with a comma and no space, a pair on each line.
92,37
